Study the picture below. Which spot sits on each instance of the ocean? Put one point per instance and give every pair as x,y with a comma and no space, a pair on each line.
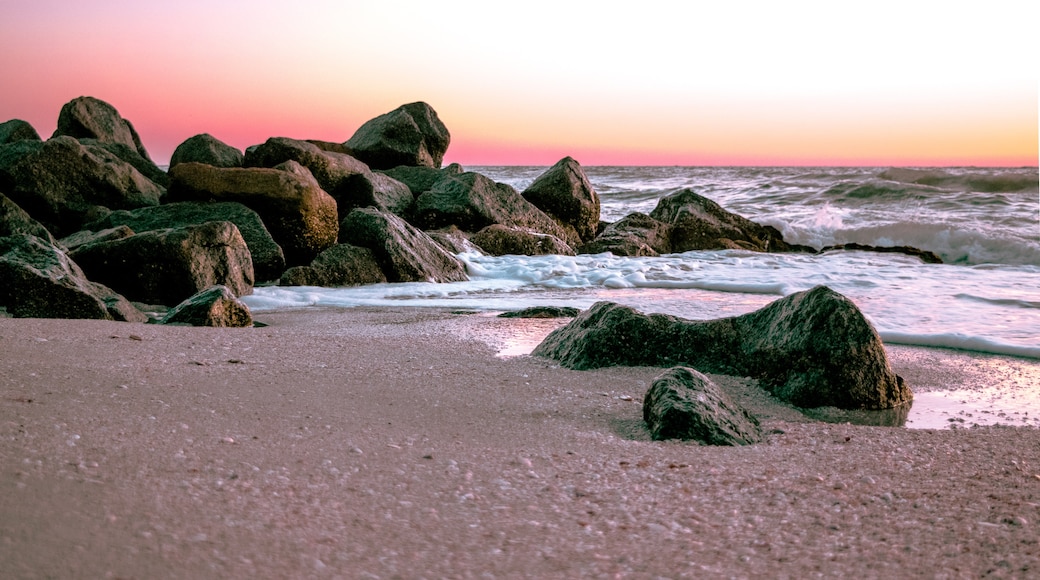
983,222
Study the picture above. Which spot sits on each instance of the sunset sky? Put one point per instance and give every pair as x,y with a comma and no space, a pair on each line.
635,83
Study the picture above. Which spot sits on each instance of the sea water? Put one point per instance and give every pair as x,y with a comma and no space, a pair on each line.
983,222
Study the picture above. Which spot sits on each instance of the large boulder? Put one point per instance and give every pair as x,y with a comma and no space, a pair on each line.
38,280
682,403
130,155
14,220
421,179
17,130
500,240
90,118
169,266
300,215
411,134
636,234
564,192
63,183
268,259
472,202
340,265
812,348
404,253
215,306
87,237
205,148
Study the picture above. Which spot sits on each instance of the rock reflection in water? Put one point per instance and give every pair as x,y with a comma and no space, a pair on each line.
884,418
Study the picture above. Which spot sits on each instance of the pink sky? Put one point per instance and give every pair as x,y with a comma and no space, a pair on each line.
660,83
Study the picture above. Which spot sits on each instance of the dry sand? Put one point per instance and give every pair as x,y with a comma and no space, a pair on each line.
379,444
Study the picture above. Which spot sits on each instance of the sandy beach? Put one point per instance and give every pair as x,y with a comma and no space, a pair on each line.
372,443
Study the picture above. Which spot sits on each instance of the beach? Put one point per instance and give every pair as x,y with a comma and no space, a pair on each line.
398,443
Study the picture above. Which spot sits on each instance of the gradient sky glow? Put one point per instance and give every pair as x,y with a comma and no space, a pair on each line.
640,83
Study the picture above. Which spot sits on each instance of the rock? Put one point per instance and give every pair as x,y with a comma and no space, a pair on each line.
421,179
14,221
412,135
636,234
301,217
17,130
214,306
924,255
684,404
472,202
500,240
168,266
565,194
131,156
543,312
340,265
268,259
41,281
698,223
812,348
454,240
63,183
404,253
205,148
90,118
86,237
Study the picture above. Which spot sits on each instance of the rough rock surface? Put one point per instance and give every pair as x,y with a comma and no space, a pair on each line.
340,265
500,240
301,217
924,255
41,281
421,179
214,306
63,183
812,348
17,130
543,312
268,259
404,253
169,266
90,118
130,155
684,404
14,220
636,234
86,237
412,134
454,240
205,148
565,194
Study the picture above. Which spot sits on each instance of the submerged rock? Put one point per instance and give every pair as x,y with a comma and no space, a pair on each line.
214,306
684,404
543,312
924,255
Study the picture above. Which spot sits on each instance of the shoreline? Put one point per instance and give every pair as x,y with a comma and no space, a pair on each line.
378,443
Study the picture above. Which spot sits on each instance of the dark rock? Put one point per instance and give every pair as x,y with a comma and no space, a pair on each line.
17,130
543,312
14,221
812,348
268,259
698,223
500,240
63,183
214,306
472,202
301,217
205,148
404,253
412,134
454,240
636,234
421,179
131,156
40,281
684,404
565,194
340,265
90,118
169,266
330,146
86,237
924,255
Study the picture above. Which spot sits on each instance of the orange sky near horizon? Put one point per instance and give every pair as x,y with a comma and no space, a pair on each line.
806,83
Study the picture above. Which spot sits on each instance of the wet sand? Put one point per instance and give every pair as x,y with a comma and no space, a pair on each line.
383,444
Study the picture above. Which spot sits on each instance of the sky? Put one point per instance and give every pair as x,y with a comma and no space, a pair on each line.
889,83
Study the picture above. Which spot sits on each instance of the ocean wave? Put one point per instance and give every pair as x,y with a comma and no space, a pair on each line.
989,181
960,342
1000,301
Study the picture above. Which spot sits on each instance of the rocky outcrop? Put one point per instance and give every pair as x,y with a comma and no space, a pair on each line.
340,265
268,259
684,404
14,221
63,183
90,118
169,266
301,217
131,156
472,202
404,253
565,194
421,179
923,255
205,148
17,130
41,281
500,240
412,134
812,348
543,312
214,306
636,234
698,223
